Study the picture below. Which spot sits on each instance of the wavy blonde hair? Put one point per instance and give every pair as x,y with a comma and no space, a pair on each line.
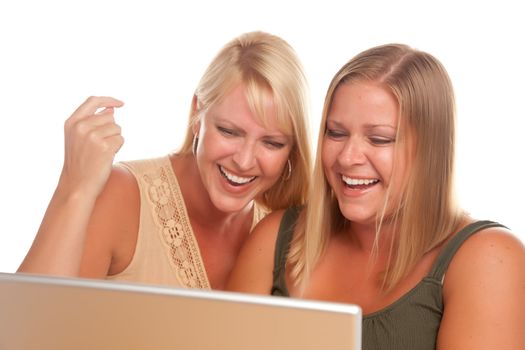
269,68
427,212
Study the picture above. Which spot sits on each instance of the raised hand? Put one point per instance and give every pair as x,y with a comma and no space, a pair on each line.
92,138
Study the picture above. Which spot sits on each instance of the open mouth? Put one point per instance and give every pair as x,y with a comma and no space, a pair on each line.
358,184
235,180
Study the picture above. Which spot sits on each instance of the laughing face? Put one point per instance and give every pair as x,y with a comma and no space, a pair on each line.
238,158
358,150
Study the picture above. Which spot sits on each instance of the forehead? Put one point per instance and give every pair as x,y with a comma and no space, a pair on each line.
245,103
364,102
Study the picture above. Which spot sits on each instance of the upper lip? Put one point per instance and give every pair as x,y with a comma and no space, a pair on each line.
364,177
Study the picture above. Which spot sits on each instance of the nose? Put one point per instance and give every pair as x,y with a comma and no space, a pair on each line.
353,152
245,155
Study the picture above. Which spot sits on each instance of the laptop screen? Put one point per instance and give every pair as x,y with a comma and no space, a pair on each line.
41,312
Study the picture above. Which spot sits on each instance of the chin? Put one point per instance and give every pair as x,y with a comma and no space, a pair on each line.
357,214
230,206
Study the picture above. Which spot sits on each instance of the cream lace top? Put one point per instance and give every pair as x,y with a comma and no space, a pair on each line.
167,252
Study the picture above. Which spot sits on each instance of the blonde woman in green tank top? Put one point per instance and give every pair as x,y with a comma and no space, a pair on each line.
381,228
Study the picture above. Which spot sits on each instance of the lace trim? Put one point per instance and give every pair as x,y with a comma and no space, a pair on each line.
170,214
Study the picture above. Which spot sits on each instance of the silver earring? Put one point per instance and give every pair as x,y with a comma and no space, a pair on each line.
289,174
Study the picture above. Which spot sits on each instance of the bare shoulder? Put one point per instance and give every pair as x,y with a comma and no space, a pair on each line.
261,242
120,195
254,265
484,293
113,227
489,250
491,255
267,228
121,180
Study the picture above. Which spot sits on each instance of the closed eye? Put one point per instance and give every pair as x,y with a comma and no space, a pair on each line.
376,140
335,134
226,131
274,144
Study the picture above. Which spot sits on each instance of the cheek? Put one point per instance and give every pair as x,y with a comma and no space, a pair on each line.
329,155
325,162
212,145
328,159
384,163
273,163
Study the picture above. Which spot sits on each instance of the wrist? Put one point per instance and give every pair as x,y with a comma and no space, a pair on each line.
74,195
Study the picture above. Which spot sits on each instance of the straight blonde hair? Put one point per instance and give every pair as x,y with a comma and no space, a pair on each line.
427,212
269,68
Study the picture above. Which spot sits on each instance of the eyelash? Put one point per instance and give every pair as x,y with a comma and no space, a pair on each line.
230,133
335,134
276,145
225,131
381,140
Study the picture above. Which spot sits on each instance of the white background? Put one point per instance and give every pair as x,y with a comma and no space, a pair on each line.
150,54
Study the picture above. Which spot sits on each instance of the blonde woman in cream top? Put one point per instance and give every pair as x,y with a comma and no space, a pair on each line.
181,220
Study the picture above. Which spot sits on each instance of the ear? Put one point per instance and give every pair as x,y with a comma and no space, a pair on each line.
196,127
194,105
194,111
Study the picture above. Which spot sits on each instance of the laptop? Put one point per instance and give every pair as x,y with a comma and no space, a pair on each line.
55,313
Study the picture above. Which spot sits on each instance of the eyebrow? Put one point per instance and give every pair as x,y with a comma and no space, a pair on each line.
282,137
366,126
374,126
230,125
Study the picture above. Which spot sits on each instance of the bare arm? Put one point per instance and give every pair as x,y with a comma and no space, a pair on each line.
484,294
253,268
91,140
112,231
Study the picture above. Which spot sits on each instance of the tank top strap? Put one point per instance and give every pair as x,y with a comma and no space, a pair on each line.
444,258
282,245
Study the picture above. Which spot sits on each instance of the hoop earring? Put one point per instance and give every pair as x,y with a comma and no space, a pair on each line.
195,143
289,174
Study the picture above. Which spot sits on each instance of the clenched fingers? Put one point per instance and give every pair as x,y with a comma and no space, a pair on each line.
93,104
107,137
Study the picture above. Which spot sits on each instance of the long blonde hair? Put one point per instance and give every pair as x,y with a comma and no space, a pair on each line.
427,212
269,68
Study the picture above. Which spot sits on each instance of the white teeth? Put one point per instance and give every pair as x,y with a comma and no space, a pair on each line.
234,178
352,182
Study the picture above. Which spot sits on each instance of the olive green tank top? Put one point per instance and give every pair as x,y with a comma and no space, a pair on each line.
412,321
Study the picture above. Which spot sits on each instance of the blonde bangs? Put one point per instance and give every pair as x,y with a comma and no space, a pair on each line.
261,100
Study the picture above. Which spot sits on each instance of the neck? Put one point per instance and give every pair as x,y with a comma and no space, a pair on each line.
363,236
